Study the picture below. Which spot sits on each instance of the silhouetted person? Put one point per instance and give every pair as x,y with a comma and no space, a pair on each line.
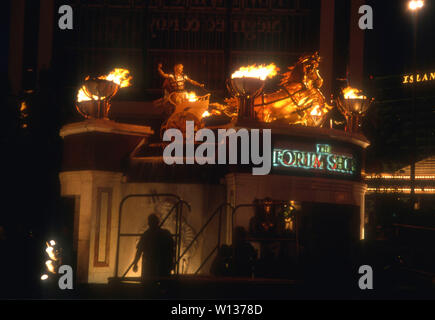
222,263
244,256
157,250
237,260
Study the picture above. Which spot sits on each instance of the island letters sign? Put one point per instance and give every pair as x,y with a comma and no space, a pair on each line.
420,77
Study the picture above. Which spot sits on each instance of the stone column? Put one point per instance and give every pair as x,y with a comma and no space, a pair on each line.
96,153
356,47
327,17
97,221
16,45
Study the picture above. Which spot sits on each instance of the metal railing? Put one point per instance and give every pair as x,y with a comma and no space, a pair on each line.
218,213
177,208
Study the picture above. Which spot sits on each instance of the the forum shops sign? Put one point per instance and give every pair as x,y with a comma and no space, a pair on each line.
321,159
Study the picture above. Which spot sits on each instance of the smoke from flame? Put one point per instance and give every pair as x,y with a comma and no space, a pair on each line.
262,71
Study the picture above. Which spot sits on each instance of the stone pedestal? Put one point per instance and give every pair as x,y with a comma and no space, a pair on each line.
96,224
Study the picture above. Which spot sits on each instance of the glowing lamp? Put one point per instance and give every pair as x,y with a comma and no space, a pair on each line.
415,5
246,84
246,90
353,105
95,94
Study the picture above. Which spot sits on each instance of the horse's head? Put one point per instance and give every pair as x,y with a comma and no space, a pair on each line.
305,68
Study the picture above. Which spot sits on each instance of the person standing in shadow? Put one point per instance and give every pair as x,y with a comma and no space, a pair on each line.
156,247
244,254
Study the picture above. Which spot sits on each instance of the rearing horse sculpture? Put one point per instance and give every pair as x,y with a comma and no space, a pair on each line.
299,99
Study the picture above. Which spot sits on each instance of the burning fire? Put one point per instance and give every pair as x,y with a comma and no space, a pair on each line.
352,93
316,112
206,114
50,266
262,71
81,95
120,76
50,252
23,106
191,96
54,259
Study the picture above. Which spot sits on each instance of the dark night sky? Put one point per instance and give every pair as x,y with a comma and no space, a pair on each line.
390,44
389,54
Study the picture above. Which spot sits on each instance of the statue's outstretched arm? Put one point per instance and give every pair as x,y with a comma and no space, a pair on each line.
195,83
159,69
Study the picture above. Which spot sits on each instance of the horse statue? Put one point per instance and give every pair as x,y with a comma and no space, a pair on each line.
298,99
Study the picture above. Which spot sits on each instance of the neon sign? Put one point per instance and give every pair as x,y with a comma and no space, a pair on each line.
429,76
323,160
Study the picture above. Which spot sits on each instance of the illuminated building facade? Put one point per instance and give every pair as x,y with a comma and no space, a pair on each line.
105,164
399,183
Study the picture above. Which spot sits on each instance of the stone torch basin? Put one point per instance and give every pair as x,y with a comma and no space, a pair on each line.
88,108
356,106
248,87
103,89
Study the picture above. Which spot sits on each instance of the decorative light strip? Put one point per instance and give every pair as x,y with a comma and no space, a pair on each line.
399,177
402,190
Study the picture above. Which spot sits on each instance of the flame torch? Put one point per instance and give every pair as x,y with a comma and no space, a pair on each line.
246,84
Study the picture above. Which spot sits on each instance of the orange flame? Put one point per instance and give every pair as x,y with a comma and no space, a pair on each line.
23,106
50,251
191,96
206,114
352,93
50,266
316,111
262,71
120,76
81,96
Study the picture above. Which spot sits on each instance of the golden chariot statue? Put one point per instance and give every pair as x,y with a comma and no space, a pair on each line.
179,105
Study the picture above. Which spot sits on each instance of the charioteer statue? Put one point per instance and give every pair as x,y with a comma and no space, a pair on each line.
178,104
175,82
